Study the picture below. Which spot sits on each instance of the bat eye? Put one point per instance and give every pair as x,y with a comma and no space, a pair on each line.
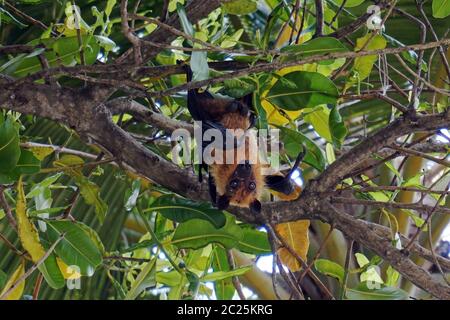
252,186
234,184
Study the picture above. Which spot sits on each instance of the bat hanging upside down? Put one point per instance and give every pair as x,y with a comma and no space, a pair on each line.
239,182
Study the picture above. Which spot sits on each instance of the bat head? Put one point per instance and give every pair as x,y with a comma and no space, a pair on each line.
241,186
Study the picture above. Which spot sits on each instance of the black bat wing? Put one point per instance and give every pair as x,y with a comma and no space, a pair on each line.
284,184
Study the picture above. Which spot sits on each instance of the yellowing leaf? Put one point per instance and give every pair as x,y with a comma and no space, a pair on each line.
296,236
145,182
27,231
327,69
16,294
67,272
29,238
274,116
88,189
331,157
41,152
240,7
286,33
363,65
69,160
91,195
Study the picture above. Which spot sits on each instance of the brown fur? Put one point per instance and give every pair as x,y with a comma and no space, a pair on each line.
235,121
223,173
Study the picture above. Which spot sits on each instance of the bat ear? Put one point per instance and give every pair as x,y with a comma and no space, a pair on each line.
223,202
255,207
247,100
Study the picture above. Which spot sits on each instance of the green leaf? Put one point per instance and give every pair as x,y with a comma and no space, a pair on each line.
91,195
240,7
231,41
110,6
418,221
120,290
238,88
318,117
279,12
93,235
199,59
337,127
27,164
195,234
135,189
6,17
292,142
105,42
224,288
64,50
51,272
220,275
171,278
194,285
39,187
88,189
441,8
9,145
362,292
349,3
146,278
181,210
77,248
361,259
330,268
261,112
3,278
371,275
310,89
314,47
363,65
392,277
187,26
254,242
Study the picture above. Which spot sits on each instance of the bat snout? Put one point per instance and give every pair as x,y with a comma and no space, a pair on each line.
244,169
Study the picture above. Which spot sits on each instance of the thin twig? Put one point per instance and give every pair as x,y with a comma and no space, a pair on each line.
319,18
427,220
8,212
235,279
420,154
27,17
346,269
265,67
380,204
